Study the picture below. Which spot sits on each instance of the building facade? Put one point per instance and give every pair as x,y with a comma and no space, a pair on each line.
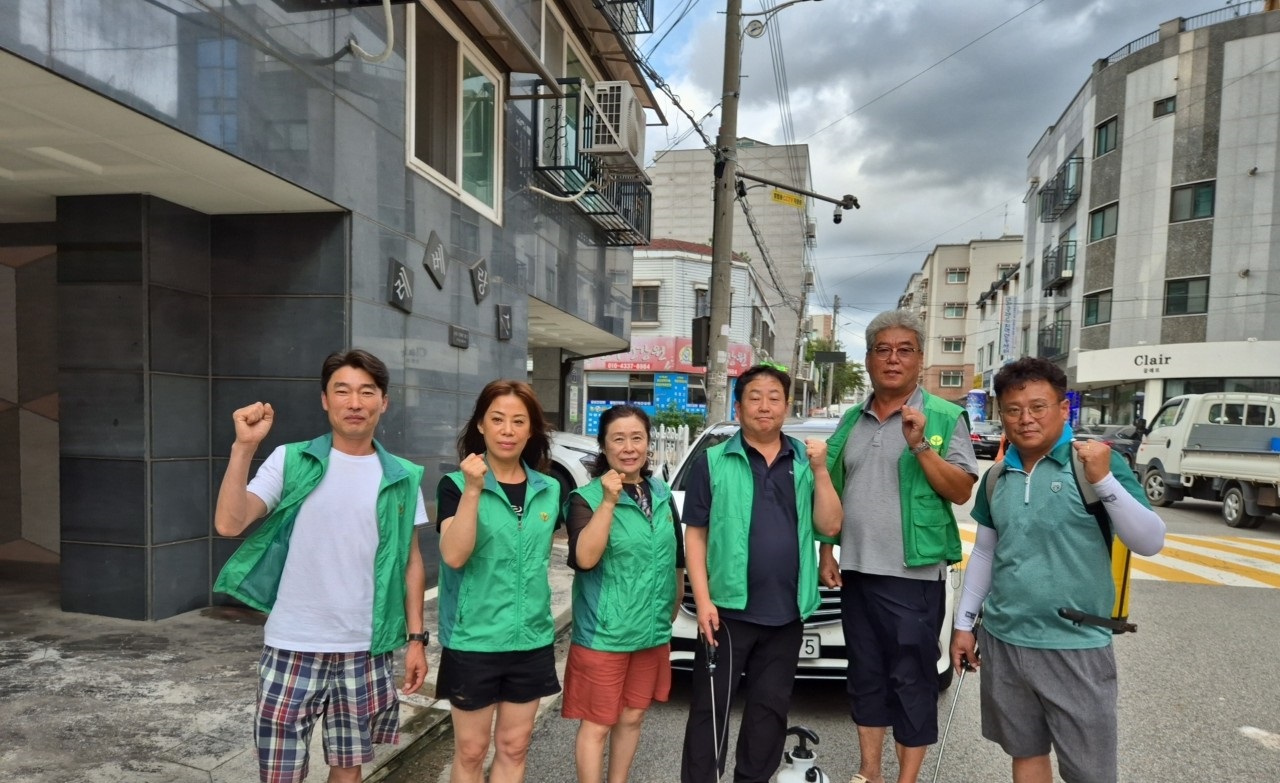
945,294
683,181
1151,234
671,287
200,201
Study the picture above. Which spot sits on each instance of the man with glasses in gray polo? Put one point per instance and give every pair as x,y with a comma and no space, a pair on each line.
899,461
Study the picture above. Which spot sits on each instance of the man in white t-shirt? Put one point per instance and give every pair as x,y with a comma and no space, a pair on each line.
337,567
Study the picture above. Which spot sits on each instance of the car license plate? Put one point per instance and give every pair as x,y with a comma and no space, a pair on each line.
810,646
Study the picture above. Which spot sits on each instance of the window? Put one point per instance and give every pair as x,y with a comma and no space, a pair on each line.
1004,270
980,358
952,344
1165,106
953,310
1257,415
455,113
1186,297
951,379
701,302
957,275
1097,308
1192,202
1104,137
1102,222
644,303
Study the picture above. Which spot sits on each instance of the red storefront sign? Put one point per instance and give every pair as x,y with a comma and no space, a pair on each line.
667,354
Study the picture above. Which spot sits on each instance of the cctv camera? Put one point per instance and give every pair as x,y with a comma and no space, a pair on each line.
838,216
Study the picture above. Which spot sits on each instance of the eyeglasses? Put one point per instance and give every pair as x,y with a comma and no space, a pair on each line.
1038,410
885,351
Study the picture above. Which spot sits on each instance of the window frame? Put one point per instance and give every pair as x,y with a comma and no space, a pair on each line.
646,285
957,341
1111,128
960,275
1115,223
945,375
467,53
1187,295
1097,299
1164,107
1194,188
949,306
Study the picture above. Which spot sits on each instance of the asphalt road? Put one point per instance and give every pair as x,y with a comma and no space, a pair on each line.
1199,692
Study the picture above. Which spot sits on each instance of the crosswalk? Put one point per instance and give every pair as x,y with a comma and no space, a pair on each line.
1207,560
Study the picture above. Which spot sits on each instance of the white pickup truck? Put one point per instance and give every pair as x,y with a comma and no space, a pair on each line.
1222,446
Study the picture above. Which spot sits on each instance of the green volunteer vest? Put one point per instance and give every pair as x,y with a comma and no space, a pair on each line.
732,493
252,575
929,530
500,600
624,604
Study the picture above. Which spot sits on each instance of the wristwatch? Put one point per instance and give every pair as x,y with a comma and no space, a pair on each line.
423,637
916,450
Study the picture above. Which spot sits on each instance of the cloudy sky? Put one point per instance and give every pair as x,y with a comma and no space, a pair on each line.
924,109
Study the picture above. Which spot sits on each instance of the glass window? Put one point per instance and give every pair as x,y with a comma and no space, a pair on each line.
1104,137
953,310
952,344
1191,202
1168,416
701,303
1186,297
951,379
1260,416
957,275
455,112
644,303
1165,106
1097,308
1102,222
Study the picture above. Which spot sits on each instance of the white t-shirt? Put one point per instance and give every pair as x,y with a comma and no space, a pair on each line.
325,600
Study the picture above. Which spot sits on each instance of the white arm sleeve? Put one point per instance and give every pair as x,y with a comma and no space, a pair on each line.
977,579
1140,528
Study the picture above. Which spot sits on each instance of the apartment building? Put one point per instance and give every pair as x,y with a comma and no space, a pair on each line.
945,294
200,201
1152,241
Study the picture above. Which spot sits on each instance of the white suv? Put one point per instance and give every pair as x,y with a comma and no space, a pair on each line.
822,651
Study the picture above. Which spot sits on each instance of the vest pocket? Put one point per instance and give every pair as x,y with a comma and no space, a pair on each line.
930,529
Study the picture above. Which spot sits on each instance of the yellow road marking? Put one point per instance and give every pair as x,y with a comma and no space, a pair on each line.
1209,543
1262,542
1167,573
1256,574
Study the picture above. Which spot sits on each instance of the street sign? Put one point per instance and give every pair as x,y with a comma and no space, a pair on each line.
828,357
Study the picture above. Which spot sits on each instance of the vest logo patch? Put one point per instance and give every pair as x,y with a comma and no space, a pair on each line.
545,516
935,441
1055,486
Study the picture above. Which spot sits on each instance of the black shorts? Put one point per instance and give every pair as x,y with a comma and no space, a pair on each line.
475,680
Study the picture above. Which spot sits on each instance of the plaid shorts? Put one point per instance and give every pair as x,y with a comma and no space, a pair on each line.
355,694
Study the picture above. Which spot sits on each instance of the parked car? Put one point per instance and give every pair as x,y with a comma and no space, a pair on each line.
986,436
1122,438
571,458
822,652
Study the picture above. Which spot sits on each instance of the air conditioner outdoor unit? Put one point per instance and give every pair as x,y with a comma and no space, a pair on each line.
619,139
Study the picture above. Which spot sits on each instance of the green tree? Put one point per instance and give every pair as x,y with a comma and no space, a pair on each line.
850,376
674,417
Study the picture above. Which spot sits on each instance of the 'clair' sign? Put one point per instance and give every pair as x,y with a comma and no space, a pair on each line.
1151,365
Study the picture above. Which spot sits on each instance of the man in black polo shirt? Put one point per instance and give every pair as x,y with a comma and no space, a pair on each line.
752,506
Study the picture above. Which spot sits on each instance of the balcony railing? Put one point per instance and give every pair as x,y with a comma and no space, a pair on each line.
630,16
618,204
1054,340
1058,267
1063,190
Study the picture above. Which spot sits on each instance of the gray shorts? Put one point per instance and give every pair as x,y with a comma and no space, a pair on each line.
1033,700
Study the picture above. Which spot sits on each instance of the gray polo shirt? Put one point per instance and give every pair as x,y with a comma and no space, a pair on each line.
871,539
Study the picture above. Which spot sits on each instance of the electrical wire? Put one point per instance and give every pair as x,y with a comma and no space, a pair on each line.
391,40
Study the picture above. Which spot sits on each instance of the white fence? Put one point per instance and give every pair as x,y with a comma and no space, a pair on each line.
669,445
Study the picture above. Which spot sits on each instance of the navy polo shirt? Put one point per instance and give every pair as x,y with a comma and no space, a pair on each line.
773,548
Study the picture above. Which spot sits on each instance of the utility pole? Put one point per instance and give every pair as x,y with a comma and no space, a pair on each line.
835,343
726,165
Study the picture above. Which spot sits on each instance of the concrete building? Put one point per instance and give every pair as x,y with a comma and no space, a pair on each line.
943,293
199,201
671,287
1152,241
683,209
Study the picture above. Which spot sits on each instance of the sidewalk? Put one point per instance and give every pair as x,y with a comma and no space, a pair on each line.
98,700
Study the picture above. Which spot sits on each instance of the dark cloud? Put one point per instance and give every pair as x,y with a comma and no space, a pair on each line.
940,159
